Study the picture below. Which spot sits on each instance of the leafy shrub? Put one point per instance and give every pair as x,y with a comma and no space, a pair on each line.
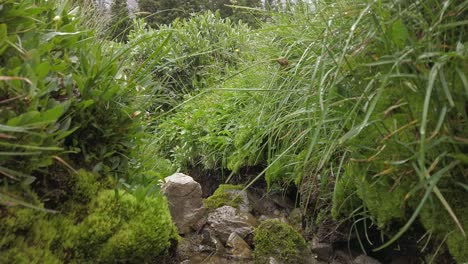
64,102
193,52
67,103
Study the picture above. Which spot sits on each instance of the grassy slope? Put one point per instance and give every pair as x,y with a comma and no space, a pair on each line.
369,113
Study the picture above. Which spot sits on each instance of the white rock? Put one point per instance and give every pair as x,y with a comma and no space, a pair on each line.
184,196
226,220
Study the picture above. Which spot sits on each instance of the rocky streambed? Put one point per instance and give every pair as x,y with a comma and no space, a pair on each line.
245,226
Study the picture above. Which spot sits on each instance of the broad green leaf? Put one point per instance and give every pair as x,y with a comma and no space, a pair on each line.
35,118
13,128
3,37
47,37
42,70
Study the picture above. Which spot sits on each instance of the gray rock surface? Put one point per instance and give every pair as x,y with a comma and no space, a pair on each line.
184,196
238,248
244,206
210,241
323,251
226,220
363,259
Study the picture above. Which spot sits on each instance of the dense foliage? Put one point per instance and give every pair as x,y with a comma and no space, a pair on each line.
164,12
361,105
66,104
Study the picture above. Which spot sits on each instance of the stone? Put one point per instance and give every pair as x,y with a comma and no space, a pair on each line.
323,251
184,196
363,259
238,248
211,243
272,260
228,194
226,220
295,219
244,206
343,257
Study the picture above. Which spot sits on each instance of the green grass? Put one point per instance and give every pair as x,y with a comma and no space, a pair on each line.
372,98
367,116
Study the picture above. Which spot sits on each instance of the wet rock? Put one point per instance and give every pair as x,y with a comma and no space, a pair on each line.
226,220
184,196
238,248
363,259
323,251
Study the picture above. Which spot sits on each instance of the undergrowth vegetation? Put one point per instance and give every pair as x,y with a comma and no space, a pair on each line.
359,104
71,133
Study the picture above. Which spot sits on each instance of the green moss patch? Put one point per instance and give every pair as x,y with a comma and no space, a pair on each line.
121,228
280,241
222,196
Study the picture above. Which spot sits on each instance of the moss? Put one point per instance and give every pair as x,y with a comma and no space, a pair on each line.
33,236
458,246
345,199
435,218
84,186
383,198
119,228
279,240
222,196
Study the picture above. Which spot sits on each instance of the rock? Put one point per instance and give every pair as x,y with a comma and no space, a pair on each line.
323,251
295,219
184,196
244,205
343,257
185,248
226,220
239,249
211,243
363,259
228,194
272,260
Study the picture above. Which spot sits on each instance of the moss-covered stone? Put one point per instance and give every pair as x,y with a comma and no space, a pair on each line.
280,241
222,196
121,228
